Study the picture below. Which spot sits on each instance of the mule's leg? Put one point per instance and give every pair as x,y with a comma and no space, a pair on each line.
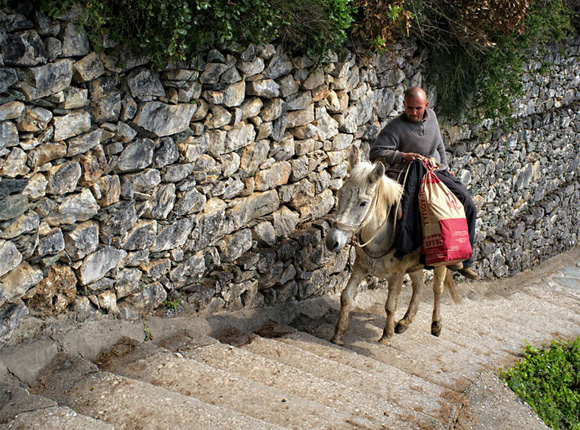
417,284
438,279
395,283
346,299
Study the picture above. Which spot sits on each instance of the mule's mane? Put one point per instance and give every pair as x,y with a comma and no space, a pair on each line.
389,191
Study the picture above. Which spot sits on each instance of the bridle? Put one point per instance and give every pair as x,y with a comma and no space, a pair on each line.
355,229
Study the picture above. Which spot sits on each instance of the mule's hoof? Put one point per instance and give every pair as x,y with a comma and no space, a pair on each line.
401,327
385,341
436,327
337,340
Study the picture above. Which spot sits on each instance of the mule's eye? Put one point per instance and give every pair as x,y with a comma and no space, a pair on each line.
362,204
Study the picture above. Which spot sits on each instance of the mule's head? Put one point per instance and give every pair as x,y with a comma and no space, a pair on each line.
356,200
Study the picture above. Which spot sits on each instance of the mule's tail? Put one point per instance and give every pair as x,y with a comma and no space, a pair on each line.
450,284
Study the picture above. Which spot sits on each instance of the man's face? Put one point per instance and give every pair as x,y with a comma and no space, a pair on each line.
415,108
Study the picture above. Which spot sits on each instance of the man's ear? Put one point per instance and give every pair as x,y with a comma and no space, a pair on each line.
354,157
377,172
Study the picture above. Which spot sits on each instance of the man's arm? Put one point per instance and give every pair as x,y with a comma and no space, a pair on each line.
385,148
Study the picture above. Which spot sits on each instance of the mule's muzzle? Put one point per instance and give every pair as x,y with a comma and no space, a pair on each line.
336,239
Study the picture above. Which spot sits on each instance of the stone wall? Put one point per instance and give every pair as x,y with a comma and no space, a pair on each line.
125,190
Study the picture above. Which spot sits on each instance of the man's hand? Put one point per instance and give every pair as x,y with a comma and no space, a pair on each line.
411,156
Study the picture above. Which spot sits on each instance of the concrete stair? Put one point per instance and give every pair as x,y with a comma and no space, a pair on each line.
276,369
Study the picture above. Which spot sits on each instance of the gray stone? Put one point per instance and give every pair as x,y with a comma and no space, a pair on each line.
76,208
127,282
327,127
10,257
107,190
8,135
285,221
82,241
120,219
19,280
24,49
63,179
212,73
35,119
315,79
11,186
136,156
150,297
288,85
11,317
251,107
280,65
50,79
75,42
177,172
189,271
266,88
8,77
23,224
234,94
145,180
76,98
189,202
299,101
13,206
219,117
11,110
251,67
166,154
162,202
71,125
103,86
124,133
144,84
15,164
88,68
98,264
240,136
208,228
84,143
164,120
173,236
50,244
234,246
107,108
252,207
141,236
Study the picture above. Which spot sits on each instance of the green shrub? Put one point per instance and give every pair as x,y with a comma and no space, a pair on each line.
166,31
548,379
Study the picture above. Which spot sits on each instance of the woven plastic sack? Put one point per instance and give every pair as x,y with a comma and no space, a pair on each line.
445,230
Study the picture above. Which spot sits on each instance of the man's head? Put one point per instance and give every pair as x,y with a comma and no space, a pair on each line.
415,103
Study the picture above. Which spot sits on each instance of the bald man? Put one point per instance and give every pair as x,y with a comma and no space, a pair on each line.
411,136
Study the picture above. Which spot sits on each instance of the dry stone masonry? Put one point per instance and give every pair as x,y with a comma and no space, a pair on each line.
122,188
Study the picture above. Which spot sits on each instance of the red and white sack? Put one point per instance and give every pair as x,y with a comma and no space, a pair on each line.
445,231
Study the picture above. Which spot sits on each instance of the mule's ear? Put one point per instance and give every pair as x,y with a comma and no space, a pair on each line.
377,172
354,157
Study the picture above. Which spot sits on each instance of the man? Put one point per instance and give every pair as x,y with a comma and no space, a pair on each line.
412,136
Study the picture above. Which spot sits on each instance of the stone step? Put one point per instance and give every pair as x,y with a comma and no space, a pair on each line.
360,408
389,385
56,418
20,410
132,404
224,385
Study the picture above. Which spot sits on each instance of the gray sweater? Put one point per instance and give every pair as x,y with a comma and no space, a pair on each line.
401,135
